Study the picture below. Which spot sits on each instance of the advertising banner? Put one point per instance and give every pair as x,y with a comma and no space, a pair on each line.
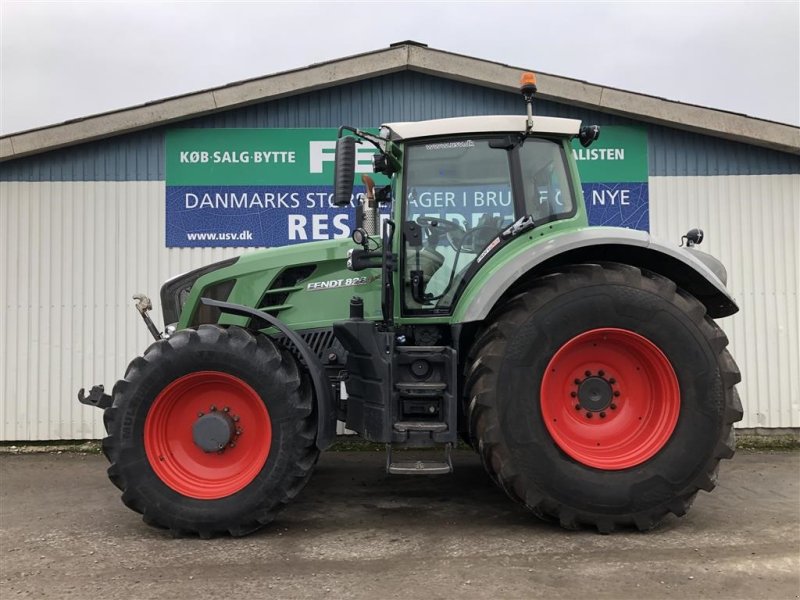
273,187
614,172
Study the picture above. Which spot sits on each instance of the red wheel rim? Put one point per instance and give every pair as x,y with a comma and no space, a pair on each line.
641,414
183,465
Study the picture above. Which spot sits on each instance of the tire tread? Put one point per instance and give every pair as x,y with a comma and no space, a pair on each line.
484,363
239,341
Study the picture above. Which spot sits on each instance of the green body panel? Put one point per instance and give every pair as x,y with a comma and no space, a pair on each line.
302,309
328,302
525,244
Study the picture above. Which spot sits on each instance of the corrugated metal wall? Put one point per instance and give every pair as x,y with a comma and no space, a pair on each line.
82,229
73,253
751,224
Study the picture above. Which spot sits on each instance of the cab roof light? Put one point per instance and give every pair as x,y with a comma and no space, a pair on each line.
527,85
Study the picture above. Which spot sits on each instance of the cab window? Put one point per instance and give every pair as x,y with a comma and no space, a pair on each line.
546,187
459,194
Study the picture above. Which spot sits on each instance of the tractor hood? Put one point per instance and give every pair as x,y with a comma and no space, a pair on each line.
305,285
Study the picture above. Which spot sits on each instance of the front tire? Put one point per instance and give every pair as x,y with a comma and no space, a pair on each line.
603,395
211,431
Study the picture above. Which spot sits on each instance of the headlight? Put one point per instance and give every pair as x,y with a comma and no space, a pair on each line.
175,291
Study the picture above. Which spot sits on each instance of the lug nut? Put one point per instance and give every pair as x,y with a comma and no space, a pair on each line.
588,415
573,394
588,373
238,432
613,406
602,415
612,381
232,444
200,414
577,407
213,408
616,393
235,418
577,381
601,373
226,409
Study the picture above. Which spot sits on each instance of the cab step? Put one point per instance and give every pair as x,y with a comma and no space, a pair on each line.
420,426
419,467
421,389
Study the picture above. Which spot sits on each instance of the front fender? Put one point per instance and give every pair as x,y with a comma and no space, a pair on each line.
698,273
326,413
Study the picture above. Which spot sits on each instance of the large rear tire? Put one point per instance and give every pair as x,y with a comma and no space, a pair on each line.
211,431
602,395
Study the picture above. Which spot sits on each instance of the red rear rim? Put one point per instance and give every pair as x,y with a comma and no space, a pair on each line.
170,444
610,398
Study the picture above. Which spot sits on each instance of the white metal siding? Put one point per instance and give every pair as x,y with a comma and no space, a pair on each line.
71,256
751,223
73,253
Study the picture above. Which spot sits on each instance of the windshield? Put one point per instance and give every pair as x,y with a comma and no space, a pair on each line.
460,195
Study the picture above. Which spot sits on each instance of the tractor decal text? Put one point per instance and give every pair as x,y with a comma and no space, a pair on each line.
316,286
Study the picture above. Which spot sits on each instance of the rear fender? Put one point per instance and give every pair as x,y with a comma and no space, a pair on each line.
698,273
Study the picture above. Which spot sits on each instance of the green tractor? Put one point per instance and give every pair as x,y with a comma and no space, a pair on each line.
581,363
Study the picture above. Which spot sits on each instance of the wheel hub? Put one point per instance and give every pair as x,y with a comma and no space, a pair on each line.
185,428
595,394
610,398
213,431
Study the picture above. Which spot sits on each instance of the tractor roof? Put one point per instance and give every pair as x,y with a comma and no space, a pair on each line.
494,124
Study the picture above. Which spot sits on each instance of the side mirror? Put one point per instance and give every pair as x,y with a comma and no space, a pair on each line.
588,134
345,168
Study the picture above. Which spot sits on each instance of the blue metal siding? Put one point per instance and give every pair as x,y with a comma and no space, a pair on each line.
130,157
404,96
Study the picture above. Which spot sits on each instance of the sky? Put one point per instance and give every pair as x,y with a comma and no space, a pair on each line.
65,60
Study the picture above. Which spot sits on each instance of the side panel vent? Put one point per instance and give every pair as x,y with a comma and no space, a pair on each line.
321,342
283,285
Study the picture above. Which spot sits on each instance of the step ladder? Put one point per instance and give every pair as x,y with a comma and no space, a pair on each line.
419,467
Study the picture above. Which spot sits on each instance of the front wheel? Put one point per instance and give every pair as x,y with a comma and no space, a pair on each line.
603,395
211,431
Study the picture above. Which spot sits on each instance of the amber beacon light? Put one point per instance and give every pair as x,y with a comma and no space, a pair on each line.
527,84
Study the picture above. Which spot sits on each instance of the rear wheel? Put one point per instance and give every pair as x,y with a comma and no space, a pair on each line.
603,396
211,431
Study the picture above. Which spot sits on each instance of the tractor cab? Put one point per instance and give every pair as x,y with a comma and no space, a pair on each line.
462,188
459,193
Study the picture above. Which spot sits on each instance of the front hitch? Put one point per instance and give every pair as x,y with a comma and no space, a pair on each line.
143,304
97,397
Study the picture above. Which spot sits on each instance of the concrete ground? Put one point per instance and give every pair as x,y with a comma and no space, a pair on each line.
356,533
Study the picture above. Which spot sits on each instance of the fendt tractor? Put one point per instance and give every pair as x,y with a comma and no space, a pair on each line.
581,363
